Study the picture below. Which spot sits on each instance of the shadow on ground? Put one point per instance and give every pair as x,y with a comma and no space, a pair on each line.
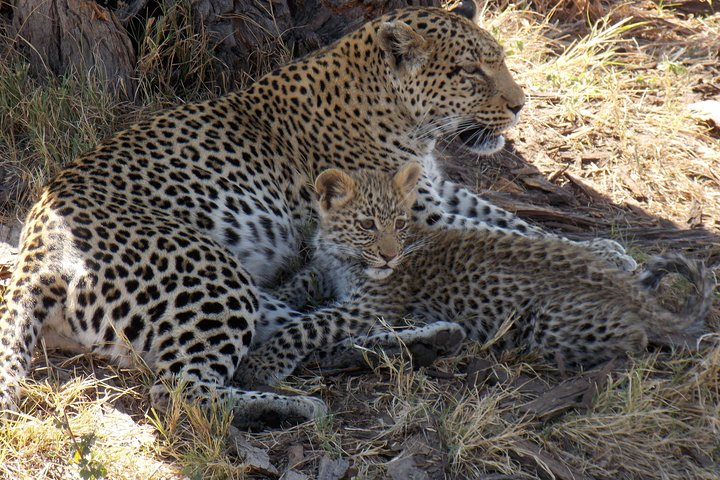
565,203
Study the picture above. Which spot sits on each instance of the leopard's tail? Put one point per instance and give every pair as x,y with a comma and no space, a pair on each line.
687,325
30,298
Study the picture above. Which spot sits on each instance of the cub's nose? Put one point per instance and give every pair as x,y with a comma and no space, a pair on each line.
388,256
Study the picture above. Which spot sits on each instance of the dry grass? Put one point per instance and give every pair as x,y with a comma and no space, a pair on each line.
42,127
175,60
607,104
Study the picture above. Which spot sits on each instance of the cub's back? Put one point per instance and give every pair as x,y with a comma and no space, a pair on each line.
494,275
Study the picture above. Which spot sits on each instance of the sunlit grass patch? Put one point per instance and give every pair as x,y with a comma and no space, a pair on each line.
76,432
608,93
43,127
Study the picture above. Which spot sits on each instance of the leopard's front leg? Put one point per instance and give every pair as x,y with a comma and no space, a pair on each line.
445,204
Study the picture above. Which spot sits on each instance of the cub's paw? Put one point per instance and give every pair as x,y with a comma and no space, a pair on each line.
427,344
612,252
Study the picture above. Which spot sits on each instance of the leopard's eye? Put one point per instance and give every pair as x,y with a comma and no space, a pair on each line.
474,70
400,224
367,224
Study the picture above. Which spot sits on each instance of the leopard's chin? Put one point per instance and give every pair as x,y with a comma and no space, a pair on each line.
482,141
380,273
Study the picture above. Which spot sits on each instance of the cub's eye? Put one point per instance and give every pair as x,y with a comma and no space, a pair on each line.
474,70
367,224
400,224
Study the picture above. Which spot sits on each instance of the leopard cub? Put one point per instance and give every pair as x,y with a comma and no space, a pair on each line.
553,297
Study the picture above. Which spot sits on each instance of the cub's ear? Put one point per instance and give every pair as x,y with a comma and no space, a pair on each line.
467,9
334,188
406,48
406,180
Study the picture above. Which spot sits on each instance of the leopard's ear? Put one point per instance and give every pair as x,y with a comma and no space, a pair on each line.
334,189
405,49
406,180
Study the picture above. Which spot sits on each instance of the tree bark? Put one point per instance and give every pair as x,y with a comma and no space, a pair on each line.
62,36
248,37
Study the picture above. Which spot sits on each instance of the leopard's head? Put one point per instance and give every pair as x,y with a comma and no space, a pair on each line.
450,76
364,216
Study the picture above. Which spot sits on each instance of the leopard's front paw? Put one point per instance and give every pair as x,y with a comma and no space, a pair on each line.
613,253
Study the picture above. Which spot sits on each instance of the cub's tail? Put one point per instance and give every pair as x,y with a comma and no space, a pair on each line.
689,323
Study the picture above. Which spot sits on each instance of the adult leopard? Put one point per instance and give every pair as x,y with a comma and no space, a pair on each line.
154,242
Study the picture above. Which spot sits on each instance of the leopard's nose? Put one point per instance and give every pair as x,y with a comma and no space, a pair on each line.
514,104
515,108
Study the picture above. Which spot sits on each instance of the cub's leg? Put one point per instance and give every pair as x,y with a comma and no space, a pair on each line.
273,315
335,330
276,358
308,285
425,344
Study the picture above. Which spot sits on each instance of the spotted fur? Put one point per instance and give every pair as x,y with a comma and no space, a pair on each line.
553,297
155,242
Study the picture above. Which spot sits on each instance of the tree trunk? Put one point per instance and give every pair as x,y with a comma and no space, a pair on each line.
247,37
62,36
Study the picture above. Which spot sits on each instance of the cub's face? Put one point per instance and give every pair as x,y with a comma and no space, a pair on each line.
364,216
451,76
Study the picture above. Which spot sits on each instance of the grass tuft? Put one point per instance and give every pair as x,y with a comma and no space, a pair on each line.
175,59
